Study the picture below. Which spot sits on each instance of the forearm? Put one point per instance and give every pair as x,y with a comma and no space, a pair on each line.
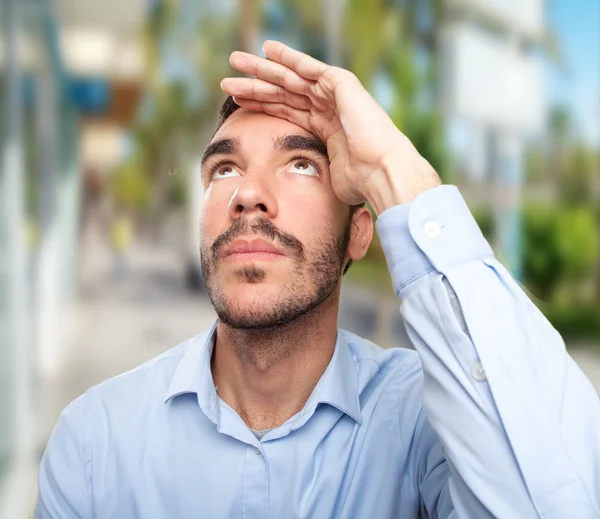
547,408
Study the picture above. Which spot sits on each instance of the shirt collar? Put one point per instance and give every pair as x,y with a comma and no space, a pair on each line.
193,374
338,386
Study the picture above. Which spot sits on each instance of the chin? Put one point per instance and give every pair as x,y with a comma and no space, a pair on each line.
251,294
259,306
257,298
250,312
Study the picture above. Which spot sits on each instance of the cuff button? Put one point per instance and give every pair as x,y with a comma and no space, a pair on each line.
432,229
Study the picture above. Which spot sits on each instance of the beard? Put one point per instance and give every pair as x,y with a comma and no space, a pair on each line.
315,276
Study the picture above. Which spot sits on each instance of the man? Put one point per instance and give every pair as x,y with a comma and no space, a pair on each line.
274,412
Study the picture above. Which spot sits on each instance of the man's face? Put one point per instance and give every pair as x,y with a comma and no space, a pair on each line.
273,235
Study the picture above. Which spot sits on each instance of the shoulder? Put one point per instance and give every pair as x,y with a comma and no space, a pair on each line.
395,374
156,372
122,406
390,380
136,390
387,361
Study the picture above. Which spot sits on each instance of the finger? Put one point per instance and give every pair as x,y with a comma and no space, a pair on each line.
304,65
270,71
283,111
260,90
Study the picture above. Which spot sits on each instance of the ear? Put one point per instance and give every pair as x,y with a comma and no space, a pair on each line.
361,234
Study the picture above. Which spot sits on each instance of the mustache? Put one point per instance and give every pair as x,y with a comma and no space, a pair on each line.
262,228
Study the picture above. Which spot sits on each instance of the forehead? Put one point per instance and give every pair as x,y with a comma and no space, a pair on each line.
256,129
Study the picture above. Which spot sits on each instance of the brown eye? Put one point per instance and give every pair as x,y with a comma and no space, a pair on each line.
225,171
304,167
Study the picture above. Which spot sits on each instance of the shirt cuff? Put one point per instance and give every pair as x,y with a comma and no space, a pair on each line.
434,232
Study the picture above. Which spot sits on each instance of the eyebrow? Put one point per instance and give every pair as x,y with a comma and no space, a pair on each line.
220,147
300,142
282,143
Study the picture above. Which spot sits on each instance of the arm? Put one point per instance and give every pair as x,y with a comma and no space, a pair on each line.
518,421
63,490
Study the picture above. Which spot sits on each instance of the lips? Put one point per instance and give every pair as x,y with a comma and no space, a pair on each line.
256,248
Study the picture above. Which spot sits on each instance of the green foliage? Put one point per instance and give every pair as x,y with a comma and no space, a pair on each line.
542,266
560,124
485,220
129,186
535,168
365,40
560,245
372,273
574,322
178,192
406,83
577,241
426,130
577,174
423,123
161,18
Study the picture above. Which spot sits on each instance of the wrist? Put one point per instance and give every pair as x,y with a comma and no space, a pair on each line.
399,180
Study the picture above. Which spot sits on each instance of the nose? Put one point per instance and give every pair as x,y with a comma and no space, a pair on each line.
253,195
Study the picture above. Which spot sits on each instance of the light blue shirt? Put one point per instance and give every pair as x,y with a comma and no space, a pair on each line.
491,418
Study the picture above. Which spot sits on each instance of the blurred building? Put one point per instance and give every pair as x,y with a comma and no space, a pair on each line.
71,77
492,83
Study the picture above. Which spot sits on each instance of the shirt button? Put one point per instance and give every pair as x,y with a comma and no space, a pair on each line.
256,450
478,372
432,229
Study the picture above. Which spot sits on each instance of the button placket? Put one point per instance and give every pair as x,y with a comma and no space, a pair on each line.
256,483
478,372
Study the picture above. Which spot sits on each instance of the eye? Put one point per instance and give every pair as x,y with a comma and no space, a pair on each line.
304,167
224,171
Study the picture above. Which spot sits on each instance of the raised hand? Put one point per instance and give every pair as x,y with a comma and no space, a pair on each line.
370,159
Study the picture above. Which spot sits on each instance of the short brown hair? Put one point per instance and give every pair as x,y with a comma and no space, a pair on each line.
227,108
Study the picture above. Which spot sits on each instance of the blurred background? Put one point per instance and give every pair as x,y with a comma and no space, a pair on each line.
106,108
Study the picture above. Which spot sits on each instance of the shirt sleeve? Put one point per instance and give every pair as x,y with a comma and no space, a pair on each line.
63,489
518,421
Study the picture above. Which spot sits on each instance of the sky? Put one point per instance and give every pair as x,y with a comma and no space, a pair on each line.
576,84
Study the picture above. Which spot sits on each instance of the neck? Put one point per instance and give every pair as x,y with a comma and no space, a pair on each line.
267,376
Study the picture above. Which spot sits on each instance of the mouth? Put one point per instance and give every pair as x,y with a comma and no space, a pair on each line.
240,257
251,250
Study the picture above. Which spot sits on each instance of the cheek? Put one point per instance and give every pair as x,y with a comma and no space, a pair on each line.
206,223
305,219
214,213
314,212
306,200
311,222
